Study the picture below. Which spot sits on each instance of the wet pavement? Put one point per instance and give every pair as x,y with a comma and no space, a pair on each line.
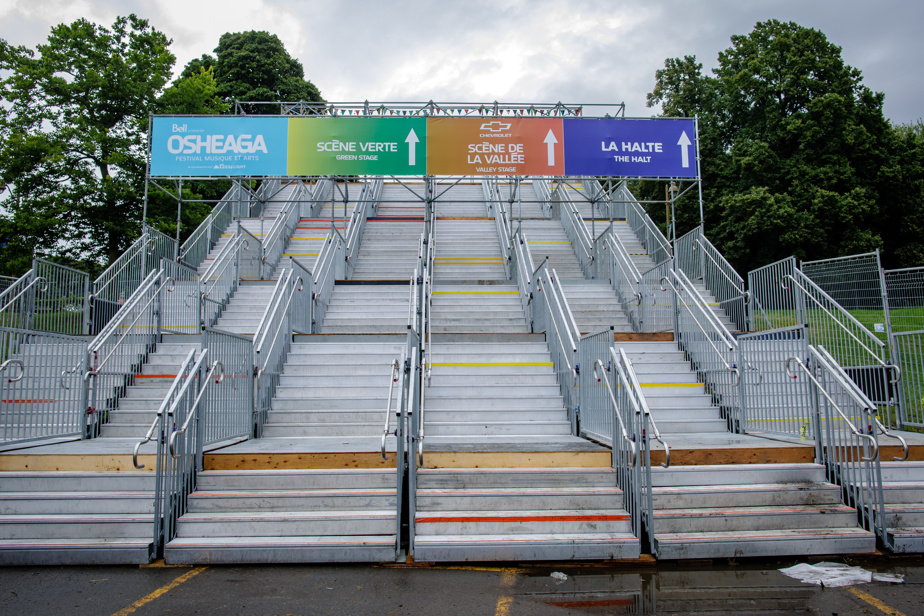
666,588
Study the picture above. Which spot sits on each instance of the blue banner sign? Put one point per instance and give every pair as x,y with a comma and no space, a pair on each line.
219,146
655,148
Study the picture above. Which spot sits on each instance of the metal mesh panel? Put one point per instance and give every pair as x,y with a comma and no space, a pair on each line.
41,385
228,412
905,290
657,309
180,300
63,306
854,283
909,355
771,400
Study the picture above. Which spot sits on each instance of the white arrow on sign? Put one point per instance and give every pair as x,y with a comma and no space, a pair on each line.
551,141
412,142
684,144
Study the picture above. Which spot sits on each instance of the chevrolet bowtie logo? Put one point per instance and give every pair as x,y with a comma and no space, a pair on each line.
495,126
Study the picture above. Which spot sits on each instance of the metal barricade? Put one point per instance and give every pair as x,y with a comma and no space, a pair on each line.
117,353
593,422
905,291
124,275
41,385
657,306
228,411
179,454
273,338
198,245
249,255
700,260
711,349
612,262
279,234
847,440
63,307
161,428
327,269
770,401
574,228
908,355
773,304
180,308
552,316
17,302
647,232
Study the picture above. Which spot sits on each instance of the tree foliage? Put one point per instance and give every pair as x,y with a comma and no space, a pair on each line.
73,138
255,66
797,156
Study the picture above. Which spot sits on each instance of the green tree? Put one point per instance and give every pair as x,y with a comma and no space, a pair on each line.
796,150
255,66
73,136
193,94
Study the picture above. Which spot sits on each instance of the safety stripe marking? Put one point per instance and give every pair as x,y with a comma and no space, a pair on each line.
532,518
865,596
160,591
476,293
475,364
671,384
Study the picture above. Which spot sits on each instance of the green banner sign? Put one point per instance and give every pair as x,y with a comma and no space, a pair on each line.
357,146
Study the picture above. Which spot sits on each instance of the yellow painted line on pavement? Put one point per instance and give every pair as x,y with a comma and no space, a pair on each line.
160,591
508,577
876,603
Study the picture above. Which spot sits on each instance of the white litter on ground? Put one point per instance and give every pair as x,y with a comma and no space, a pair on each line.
833,575
558,575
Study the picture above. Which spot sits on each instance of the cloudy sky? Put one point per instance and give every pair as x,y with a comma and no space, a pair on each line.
543,51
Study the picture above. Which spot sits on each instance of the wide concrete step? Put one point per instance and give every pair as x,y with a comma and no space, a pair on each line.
514,522
293,549
526,547
76,551
780,542
288,523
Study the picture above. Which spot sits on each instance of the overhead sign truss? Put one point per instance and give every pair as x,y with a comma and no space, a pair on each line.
254,146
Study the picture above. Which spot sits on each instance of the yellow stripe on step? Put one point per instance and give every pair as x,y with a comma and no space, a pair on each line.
476,364
671,384
476,293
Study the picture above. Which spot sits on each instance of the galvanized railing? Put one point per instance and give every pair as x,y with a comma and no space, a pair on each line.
275,240
594,420
544,195
238,259
523,268
711,349
117,353
328,268
552,316
41,385
648,233
410,420
124,275
770,402
161,428
228,412
576,231
657,306
847,439
773,304
700,260
320,194
908,355
425,340
613,263
180,308
287,312
365,205
17,302
64,306
179,460
249,255
198,245
496,208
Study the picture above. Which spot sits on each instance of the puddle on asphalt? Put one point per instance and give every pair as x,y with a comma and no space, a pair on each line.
683,589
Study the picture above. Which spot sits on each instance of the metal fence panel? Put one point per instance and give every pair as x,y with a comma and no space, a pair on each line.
905,290
228,410
41,385
657,305
773,302
701,261
180,302
595,420
63,307
908,354
771,400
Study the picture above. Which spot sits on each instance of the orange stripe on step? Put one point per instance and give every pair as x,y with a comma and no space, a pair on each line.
537,518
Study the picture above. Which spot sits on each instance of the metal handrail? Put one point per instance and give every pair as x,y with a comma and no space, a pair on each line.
22,368
128,305
719,267
26,288
893,367
229,246
622,425
296,288
705,334
626,365
412,301
393,379
96,371
701,301
275,298
611,237
573,347
565,307
195,414
821,389
177,383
